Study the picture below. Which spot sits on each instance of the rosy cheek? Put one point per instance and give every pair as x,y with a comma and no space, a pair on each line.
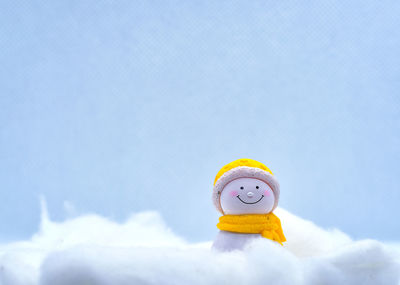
267,193
233,193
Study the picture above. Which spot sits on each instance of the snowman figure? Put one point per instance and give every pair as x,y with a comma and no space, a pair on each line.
245,193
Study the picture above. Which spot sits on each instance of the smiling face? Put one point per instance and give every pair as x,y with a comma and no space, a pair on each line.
247,196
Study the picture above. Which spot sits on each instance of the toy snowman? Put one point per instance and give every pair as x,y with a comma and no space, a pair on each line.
246,192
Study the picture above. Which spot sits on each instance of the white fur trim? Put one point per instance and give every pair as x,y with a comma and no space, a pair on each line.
244,172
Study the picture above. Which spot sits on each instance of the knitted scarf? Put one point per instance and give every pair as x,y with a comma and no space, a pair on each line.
268,225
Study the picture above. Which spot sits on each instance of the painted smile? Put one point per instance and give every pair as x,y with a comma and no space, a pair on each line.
262,196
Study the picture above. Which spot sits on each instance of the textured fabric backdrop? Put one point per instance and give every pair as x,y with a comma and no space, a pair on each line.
116,107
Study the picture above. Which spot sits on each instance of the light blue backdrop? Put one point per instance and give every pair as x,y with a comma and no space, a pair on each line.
124,106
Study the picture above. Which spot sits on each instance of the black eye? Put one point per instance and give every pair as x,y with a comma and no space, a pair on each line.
257,187
242,187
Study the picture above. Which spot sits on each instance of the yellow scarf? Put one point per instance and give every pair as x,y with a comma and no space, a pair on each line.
268,225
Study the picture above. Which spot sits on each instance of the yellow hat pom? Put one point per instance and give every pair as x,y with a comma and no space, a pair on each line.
241,162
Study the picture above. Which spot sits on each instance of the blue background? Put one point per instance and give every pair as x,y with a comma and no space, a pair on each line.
123,106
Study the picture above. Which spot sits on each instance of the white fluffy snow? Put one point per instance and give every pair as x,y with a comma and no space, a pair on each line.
92,250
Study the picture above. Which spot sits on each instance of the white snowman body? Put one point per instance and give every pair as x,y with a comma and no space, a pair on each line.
228,241
243,196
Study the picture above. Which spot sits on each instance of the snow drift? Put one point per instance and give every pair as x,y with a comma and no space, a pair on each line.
93,250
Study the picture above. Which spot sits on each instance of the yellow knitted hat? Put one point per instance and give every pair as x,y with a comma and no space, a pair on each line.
242,168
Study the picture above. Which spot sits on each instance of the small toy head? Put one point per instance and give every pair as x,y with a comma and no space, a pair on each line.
245,186
247,196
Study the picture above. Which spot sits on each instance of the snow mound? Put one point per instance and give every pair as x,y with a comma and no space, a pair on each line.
92,250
